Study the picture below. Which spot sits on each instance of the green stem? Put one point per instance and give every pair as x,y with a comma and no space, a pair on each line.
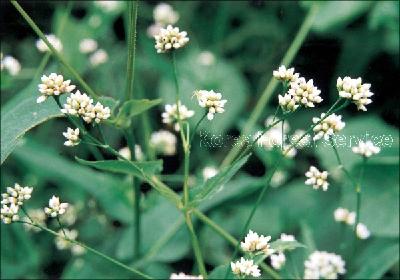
195,128
61,226
283,134
63,61
358,202
130,71
196,246
267,94
341,166
186,176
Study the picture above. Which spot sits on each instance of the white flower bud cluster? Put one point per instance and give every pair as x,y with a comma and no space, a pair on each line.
183,276
355,90
72,136
245,268
171,116
87,45
10,64
317,178
9,213
55,207
278,260
323,265
53,84
164,142
212,101
328,126
82,105
288,103
286,75
362,231
53,40
209,172
343,215
254,242
170,38
163,15
98,57
366,149
16,195
64,244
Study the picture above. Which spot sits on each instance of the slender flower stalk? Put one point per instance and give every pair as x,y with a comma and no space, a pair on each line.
358,199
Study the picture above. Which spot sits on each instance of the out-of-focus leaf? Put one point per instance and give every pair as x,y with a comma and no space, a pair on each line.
133,108
21,114
280,245
220,271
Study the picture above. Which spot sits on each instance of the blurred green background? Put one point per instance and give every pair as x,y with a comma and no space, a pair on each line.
247,39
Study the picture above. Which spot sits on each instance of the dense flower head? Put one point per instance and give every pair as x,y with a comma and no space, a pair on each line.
355,90
9,213
366,149
286,75
254,242
323,265
212,101
55,208
181,275
53,40
362,231
245,268
278,260
317,178
288,102
53,84
304,92
171,115
164,14
72,136
64,244
209,172
79,104
10,64
170,38
343,215
164,142
16,195
98,57
328,126
87,45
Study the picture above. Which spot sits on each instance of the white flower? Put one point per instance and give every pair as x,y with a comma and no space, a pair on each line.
345,216
287,237
171,116
164,142
288,102
323,265
82,105
317,178
37,216
305,93
87,45
366,149
107,6
170,38
362,231
283,74
9,214
304,142
16,195
164,14
209,172
72,136
328,126
64,244
355,90
10,64
98,57
53,84
245,268
206,58
181,275
55,207
212,101
254,242
53,40
278,260
126,152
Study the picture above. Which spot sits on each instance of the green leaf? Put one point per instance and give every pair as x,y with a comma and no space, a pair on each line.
133,108
220,271
21,114
280,245
210,186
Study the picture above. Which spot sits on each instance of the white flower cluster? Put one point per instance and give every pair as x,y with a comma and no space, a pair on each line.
55,207
171,115
79,104
362,231
64,244
98,57
72,136
355,90
366,149
328,126
183,276
164,142
343,215
53,84
212,101
278,259
254,242
323,265
286,75
317,178
245,268
10,64
9,213
170,38
87,45
163,15
209,172
16,195
53,40
126,153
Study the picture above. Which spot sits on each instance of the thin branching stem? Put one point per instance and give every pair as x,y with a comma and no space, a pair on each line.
130,71
341,166
61,227
358,190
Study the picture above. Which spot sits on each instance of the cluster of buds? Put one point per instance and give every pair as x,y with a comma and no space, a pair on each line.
343,215
72,136
355,90
163,14
183,276
245,268
53,85
212,101
53,40
327,126
366,149
163,142
65,244
173,114
254,242
55,208
323,265
11,64
170,38
12,200
317,178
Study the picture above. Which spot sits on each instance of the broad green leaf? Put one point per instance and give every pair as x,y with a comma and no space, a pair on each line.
220,271
133,108
280,245
21,114
216,183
